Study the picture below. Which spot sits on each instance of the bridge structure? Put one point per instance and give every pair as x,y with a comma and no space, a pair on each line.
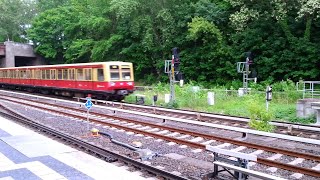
13,54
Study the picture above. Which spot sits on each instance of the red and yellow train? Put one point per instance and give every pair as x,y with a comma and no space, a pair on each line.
104,80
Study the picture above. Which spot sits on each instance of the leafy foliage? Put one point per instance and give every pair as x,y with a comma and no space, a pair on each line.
15,18
259,117
212,35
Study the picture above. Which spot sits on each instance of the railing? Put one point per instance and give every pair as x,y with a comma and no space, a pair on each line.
310,89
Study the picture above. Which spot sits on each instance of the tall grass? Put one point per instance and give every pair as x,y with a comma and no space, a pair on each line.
227,101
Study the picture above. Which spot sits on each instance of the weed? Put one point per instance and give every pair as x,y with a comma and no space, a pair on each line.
259,117
227,101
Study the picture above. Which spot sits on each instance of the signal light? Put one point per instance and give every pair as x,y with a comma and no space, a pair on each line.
176,58
249,57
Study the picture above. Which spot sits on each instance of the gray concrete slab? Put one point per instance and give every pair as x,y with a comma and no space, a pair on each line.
36,145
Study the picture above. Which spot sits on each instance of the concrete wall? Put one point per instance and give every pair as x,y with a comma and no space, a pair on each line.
19,49
2,50
304,109
13,49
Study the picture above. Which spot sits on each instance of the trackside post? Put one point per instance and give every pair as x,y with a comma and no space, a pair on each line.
88,105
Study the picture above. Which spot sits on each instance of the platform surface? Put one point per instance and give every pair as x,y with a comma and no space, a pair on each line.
27,155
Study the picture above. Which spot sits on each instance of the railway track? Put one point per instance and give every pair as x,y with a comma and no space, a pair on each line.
92,149
171,133
286,128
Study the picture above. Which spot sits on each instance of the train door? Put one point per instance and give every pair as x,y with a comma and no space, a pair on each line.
59,81
80,79
52,79
24,76
37,77
28,77
88,78
16,77
1,76
72,83
9,73
99,79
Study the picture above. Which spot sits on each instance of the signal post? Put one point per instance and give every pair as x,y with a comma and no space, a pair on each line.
243,67
172,68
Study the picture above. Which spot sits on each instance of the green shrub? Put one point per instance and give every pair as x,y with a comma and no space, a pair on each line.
259,117
172,104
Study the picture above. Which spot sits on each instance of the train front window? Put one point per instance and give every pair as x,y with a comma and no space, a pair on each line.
114,72
125,73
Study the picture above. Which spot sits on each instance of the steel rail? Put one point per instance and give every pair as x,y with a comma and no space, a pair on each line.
272,163
199,114
99,151
203,135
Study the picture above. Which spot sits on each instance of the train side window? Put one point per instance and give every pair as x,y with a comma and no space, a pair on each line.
88,74
100,75
47,74
80,74
43,74
71,74
16,74
32,73
114,72
28,74
37,74
59,74
21,74
125,71
52,74
1,74
65,74
9,73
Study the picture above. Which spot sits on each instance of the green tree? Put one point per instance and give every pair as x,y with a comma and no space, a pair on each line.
284,44
47,33
15,18
43,5
71,33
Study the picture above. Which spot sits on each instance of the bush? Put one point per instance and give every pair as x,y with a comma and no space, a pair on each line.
259,117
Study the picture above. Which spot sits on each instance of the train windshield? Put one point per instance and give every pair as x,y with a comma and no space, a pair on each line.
114,72
125,73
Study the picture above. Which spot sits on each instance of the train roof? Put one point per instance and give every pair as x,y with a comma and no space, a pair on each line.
72,65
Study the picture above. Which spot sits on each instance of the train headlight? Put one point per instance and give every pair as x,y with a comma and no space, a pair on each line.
112,84
129,83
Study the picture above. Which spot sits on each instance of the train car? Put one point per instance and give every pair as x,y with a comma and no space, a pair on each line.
104,80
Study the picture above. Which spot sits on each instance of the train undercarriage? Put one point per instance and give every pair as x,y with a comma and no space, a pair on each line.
114,95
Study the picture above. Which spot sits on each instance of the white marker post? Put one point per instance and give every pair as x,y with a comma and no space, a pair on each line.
268,96
88,105
211,98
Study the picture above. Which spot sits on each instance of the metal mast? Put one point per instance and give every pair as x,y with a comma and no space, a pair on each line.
172,68
243,67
